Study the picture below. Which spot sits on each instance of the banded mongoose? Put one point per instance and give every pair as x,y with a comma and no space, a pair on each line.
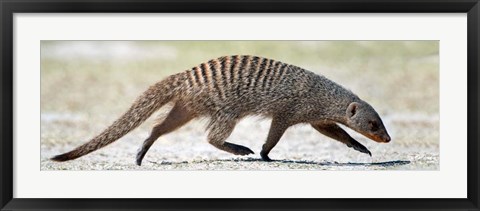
228,88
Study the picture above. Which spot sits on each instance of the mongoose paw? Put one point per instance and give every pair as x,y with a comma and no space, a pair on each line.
241,150
368,152
265,157
359,147
139,158
138,162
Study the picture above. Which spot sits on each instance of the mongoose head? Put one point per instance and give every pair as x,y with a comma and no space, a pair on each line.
362,118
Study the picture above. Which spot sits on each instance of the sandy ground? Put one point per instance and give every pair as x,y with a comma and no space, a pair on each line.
301,148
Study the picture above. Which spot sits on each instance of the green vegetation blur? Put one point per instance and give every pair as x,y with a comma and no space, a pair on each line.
105,77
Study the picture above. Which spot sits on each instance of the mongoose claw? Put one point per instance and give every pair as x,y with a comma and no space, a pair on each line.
238,149
369,153
138,161
244,151
139,158
359,147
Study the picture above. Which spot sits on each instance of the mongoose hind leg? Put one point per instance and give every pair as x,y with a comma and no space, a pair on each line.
277,129
219,132
177,117
334,131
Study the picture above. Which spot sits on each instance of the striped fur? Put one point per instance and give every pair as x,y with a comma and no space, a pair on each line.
229,88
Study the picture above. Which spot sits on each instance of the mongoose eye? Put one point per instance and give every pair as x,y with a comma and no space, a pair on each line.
373,125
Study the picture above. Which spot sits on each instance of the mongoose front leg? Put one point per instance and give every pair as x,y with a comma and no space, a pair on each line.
177,117
277,129
334,131
219,132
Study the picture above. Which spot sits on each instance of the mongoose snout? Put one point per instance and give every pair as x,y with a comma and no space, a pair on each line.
379,139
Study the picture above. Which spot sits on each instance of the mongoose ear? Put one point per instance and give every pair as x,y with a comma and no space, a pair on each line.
352,109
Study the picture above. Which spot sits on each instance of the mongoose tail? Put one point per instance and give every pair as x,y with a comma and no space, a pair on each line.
151,100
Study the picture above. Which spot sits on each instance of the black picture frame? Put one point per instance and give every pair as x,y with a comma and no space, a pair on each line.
10,7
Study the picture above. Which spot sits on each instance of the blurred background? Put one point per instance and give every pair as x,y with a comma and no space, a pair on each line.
86,85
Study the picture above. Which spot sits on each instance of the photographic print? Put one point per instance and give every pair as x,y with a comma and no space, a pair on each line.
239,105
159,105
